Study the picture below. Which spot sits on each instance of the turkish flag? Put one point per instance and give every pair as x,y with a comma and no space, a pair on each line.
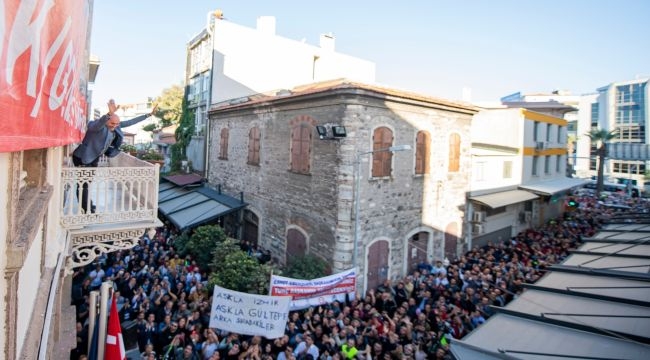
114,349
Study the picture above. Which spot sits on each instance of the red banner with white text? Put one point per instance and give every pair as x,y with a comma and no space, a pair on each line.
306,293
43,72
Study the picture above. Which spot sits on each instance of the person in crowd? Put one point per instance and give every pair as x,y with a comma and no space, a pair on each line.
412,317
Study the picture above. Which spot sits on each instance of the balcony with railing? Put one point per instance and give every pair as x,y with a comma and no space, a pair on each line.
123,196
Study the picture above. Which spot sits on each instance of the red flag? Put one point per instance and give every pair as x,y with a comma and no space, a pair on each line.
114,349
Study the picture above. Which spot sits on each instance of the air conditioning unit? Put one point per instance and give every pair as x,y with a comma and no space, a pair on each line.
541,145
477,229
528,216
478,216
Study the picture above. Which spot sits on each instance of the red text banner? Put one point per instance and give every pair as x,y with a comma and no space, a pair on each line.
43,72
307,293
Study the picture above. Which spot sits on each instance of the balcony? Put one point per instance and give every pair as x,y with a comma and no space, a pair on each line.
124,191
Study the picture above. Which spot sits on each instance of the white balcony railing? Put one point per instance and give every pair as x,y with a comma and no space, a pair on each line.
122,189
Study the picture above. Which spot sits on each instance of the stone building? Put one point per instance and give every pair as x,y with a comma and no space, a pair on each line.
294,155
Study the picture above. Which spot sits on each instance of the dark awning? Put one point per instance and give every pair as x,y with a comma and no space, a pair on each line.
187,208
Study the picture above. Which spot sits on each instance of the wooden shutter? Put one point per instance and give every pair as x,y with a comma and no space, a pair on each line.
223,150
301,148
382,160
305,148
254,146
422,153
454,153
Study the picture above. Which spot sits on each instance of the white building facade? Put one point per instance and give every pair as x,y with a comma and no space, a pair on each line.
518,173
227,61
623,107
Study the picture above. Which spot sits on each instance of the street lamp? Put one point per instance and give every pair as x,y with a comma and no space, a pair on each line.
357,163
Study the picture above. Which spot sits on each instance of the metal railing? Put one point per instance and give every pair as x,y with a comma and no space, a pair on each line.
122,189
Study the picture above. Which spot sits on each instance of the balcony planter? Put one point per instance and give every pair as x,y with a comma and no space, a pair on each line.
159,162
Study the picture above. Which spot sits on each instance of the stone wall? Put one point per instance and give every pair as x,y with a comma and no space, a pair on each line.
321,203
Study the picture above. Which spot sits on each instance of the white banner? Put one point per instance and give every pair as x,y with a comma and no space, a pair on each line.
306,293
249,314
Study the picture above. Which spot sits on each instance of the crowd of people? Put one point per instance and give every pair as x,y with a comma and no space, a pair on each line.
163,297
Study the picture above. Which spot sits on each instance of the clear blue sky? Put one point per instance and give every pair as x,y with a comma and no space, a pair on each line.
494,47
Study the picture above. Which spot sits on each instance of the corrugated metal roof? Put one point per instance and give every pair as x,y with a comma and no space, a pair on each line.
595,305
550,187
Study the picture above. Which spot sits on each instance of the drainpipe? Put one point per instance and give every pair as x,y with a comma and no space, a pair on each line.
206,144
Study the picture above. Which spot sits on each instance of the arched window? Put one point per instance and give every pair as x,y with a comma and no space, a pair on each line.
454,153
254,146
223,146
296,244
301,147
422,146
382,138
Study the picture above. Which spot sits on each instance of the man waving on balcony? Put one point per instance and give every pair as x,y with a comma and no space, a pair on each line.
103,137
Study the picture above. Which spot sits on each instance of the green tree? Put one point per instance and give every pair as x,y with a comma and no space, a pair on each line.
306,267
150,127
203,242
183,134
170,105
235,270
601,138
180,243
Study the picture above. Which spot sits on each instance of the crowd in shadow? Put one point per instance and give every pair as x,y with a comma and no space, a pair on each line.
164,304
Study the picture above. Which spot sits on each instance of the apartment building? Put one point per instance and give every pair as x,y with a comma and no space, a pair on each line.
219,69
623,107
519,161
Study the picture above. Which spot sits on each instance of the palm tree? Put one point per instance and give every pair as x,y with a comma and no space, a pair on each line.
601,138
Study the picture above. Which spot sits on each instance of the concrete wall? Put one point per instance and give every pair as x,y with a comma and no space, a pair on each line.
196,153
270,62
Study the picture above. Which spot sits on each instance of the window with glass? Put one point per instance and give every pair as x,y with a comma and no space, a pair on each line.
479,171
547,164
558,163
535,131
534,169
631,168
507,169
594,115
593,157
549,128
630,112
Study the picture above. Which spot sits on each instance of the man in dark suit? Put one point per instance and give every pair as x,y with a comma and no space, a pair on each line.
103,137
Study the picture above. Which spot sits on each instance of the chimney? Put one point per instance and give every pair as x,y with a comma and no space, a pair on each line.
327,42
266,24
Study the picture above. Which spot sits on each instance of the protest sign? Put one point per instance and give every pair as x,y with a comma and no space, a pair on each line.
306,293
249,314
